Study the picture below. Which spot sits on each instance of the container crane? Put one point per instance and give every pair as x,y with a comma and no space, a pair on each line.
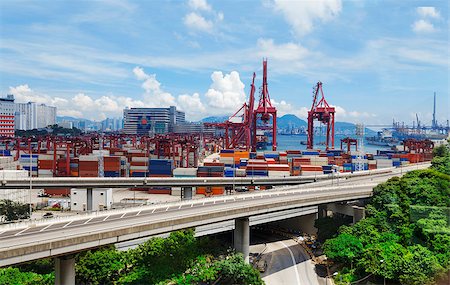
324,113
264,113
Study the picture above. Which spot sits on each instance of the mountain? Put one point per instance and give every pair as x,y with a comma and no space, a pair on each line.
60,119
214,119
290,121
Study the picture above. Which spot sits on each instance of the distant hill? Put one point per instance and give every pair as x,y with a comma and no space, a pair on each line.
214,119
60,119
290,121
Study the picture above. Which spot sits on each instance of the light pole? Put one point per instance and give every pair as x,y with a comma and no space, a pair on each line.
31,175
384,278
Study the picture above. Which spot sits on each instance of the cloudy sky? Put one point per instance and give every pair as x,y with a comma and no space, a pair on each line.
377,59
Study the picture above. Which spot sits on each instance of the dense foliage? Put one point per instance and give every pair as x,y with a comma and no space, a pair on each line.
406,235
178,259
11,210
54,129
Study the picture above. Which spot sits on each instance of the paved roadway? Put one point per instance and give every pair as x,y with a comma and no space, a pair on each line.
162,218
287,263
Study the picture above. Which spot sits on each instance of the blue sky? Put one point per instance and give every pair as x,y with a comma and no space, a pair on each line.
378,60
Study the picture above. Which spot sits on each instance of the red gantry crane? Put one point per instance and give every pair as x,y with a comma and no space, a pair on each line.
324,113
264,113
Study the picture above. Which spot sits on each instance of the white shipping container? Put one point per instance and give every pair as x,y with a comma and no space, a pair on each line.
88,158
139,159
279,173
185,171
138,167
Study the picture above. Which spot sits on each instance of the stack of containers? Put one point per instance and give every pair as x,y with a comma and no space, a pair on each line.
5,152
45,165
88,165
363,159
229,172
272,155
111,166
74,167
283,157
227,157
327,169
372,164
211,169
279,170
295,166
240,172
8,163
160,167
347,167
138,163
311,170
26,161
383,161
183,173
257,167
232,158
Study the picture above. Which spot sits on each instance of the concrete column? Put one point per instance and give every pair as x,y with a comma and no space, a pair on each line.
65,270
186,193
89,199
242,237
359,213
322,211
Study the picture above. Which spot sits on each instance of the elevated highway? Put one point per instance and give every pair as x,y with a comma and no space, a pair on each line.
32,240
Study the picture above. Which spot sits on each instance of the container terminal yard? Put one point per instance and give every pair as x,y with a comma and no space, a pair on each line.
245,145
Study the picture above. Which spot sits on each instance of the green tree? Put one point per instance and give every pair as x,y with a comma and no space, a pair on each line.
12,210
419,266
343,248
13,276
102,266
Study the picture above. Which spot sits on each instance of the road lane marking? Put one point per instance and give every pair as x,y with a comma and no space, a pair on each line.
214,201
123,215
106,218
137,214
88,221
21,231
67,224
180,207
293,261
192,205
167,208
203,203
2,232
41,230
153,210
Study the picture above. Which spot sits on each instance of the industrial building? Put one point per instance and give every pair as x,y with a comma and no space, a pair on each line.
31,115
7,110
144,121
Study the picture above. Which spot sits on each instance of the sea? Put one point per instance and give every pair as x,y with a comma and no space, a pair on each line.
292,142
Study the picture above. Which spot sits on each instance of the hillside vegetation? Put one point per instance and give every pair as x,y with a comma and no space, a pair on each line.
406,236
178,259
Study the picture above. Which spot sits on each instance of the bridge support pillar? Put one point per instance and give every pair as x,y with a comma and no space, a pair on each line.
242,237
359,213
89,199
65,270
186,193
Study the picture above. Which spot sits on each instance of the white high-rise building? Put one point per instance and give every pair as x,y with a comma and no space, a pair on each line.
31,115
7,116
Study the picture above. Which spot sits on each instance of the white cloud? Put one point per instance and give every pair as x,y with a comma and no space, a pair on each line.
192,105
304,15
352,116
226,92
195,21
282,52
423,26
200,5
203,18
428,12
154,95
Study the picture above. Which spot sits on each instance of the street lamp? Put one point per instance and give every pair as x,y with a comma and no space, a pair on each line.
384,278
